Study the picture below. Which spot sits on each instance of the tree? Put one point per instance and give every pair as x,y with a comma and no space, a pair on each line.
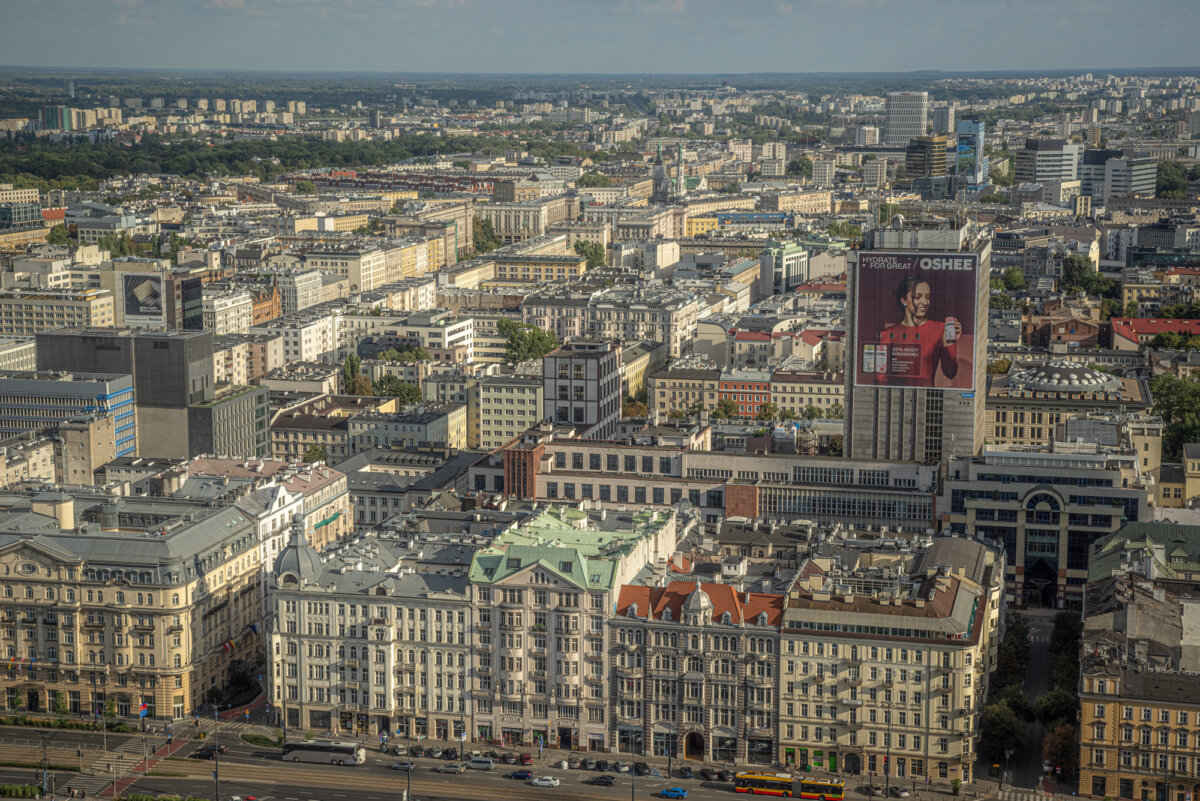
1002,302
360,385
484,236
389,386
58,235
1014,696
407,355
110,708
1013,654
768,412
1000,729
306,188
634,408
844,230
801,166
725,409
350,368
1171,181
836,411
592,179
999,367
999,197
524,341
1078,273
1055,707
1014,279
315,453
1060,748
835,446
61,708
593,252
812,412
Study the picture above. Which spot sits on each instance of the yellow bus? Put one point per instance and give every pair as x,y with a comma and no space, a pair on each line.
782,784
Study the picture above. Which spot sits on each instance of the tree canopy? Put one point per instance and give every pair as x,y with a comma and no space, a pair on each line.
525,342
593,252
389,386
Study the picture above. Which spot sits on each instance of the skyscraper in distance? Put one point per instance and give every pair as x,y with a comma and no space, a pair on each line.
971,163
907,115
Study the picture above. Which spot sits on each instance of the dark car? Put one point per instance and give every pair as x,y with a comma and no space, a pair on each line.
724,775
491,754
526,759
450,753
685,772
641,768
508,759
209,751
524,774
708,774
601,764
602,780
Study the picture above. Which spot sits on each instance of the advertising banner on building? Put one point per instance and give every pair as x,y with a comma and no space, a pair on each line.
915,320
143,298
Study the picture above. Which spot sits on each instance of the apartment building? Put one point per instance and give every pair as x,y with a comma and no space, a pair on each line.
433,330
1139,687
314,335
182,618
365,269
26,312
540,595
695,672
324,422
658,314
427,424
507,407
683,390
358,646
298,290
795,392
227,312
536,268
884,670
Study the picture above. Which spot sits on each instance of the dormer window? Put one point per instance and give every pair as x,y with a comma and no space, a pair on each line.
762,619
726,618
632,610
666,615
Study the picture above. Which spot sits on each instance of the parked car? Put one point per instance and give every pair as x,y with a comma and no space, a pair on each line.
209,751
404,766
621,767
708,775
601,764
436,753
526,759
603,780
573,763
724,775
545,781
400,750
897,791
451,767
673,792
589,764
524,774
685,772
641,768
492,754
450,753
508,759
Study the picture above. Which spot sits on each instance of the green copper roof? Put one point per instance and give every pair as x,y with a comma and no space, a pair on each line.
559,540
1178,546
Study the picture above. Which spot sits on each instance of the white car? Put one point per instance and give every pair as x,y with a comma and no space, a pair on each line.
621,767
545,781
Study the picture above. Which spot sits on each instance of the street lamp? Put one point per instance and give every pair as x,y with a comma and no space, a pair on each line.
216,753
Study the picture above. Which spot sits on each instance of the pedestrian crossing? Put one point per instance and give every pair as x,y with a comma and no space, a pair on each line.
1021,794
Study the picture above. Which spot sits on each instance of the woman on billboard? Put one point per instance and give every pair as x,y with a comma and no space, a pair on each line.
917,346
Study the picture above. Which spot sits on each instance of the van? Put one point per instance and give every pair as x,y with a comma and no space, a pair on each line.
482,763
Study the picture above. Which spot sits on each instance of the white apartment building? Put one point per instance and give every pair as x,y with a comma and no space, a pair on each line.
307,337
364,269
824,173
299,290
227,312
508,406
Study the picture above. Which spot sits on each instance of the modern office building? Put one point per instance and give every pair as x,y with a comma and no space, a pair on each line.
1046,508
784,266
30,311
1044,160
916,392
172,370
235,422
944,119
581,386
971,162
926,156
907,115
30,401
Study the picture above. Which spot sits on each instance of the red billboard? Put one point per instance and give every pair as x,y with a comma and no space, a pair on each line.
915,320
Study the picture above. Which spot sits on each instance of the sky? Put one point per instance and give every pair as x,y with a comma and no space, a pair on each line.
601,36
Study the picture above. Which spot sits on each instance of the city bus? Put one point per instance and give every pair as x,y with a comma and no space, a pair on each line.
782,784
325,751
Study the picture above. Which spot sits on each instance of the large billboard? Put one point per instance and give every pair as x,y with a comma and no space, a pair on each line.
915,320
142,295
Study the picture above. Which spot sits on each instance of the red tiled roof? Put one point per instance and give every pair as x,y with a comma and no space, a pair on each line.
742,607
751,336
1133,328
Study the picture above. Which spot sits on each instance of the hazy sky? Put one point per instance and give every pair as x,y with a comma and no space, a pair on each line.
695,36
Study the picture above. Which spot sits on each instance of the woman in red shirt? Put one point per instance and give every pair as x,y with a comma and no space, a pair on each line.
917,346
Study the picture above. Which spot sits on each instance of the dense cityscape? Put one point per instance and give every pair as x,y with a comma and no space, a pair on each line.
546,436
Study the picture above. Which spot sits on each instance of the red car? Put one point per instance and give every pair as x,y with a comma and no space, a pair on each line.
526,759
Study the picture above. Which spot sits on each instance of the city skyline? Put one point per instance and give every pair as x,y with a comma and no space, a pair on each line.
621,36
